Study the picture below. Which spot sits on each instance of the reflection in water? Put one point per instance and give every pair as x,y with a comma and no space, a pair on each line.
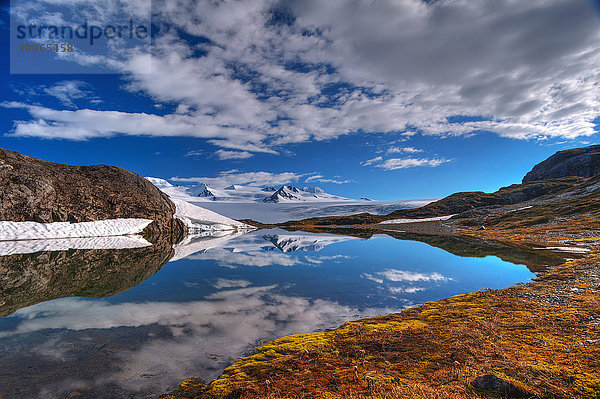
64,244
144,348
197,314
30,278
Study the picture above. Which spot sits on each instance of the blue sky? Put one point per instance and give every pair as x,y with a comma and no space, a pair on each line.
392,100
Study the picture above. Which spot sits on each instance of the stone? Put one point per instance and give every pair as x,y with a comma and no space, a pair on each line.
35,190
497,385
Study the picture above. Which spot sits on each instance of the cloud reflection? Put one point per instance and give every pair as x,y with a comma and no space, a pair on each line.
199,337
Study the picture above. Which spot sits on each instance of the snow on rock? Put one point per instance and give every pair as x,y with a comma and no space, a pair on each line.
401,221
10,231
64,244
574,250
197,218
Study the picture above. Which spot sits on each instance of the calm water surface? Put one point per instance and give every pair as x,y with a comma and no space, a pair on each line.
197,314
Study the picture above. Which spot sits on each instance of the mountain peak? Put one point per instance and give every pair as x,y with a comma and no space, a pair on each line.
201,190
293,194
313,190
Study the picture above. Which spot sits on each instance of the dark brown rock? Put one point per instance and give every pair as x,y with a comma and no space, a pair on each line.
497,385
581,162
35,190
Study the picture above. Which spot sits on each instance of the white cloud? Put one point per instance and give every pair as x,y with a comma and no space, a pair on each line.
322,179
527,69
334,181
311,178
69,90
257,179
372,161
223,154
227,258
403,163
399,150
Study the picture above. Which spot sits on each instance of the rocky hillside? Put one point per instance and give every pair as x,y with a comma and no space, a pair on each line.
563,186
35,190
565,176
582,162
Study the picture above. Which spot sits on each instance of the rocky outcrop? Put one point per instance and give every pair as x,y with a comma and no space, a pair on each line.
467,201
581,162
35,190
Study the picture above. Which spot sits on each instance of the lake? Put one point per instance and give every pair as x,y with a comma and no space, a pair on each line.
112,323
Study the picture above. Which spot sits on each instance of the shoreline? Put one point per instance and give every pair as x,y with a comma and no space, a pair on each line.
526,336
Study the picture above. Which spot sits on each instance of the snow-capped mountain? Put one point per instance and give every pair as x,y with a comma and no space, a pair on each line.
271,205
202,190
306,194
245,193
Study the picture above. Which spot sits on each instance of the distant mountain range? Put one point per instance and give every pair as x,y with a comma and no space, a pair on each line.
247,193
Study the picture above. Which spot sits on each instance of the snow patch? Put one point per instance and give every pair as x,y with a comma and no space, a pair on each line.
197,218
160,183
11,231
64,244
574,250
401,221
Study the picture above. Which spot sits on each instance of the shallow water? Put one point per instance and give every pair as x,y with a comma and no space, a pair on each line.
196,315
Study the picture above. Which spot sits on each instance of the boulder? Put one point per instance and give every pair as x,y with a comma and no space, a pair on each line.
35,190
498,386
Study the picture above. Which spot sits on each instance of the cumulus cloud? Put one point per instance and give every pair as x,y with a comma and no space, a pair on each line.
226,258
391,277
256,82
